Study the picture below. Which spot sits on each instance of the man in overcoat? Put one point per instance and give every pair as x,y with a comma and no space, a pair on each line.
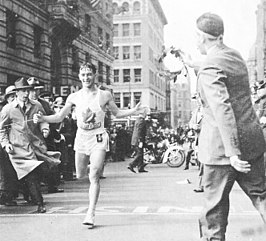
138,141
231,143
23,140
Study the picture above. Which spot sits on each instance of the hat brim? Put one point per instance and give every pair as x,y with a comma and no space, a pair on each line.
57,105
38,87
10,93
23,88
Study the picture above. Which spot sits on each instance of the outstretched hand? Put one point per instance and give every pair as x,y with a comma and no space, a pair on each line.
140,108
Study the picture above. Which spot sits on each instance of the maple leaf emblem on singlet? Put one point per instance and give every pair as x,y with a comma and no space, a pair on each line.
88,116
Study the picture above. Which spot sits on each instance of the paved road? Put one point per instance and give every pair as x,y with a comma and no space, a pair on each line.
158,205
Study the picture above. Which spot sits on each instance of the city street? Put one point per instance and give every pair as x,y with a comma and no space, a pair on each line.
156,206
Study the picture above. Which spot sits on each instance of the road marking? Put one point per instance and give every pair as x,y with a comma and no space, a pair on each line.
112,210
140,210
79,210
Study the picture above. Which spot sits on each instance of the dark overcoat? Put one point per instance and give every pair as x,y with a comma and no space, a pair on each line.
139,132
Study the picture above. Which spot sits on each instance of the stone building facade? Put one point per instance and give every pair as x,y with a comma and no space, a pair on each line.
257,57
49,39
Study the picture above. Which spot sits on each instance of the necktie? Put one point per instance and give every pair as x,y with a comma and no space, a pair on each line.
24,108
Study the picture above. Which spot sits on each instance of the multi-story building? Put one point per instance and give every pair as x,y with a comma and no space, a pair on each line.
49,39
138,40
257,58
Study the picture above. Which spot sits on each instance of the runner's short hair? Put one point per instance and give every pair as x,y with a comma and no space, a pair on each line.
88,66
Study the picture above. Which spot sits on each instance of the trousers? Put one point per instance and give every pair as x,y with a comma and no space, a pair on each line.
218,182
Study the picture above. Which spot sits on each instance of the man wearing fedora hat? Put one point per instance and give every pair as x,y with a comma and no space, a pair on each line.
21,137
52,175
10,93
231,142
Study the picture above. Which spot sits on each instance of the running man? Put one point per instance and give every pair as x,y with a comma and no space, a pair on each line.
91,141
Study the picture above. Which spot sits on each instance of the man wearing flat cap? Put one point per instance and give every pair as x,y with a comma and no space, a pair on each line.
23,141
231,142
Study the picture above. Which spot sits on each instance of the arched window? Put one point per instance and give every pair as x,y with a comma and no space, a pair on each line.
136,7
115,8
125,7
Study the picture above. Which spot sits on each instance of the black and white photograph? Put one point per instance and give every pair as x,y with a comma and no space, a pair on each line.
133,120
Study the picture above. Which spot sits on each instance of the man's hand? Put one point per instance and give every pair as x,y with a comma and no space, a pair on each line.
140,144
9,148
239,165
37,117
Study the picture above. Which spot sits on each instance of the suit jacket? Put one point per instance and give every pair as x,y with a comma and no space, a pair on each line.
230,125
139,131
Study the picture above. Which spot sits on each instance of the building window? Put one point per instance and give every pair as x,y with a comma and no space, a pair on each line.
117,99
126,75
137,75
115,30
151,55
126,99
100,72
75,58
116,75
125,6
108,43
151,75
100,38
126,53
11,19
137,52
137,97
125,28
87,57
136,7
116,52
88,24
137,29
37,32
151,100
108,80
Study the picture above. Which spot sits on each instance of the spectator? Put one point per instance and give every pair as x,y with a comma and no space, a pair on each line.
8,176
23,140
231,142
138,140
50,175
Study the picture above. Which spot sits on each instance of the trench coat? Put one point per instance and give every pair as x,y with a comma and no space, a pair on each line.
18,129
230,125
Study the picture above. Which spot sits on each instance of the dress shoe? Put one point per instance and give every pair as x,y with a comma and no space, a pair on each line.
55,190
199,189
131,169
10,203
41,209
186,168
140,171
